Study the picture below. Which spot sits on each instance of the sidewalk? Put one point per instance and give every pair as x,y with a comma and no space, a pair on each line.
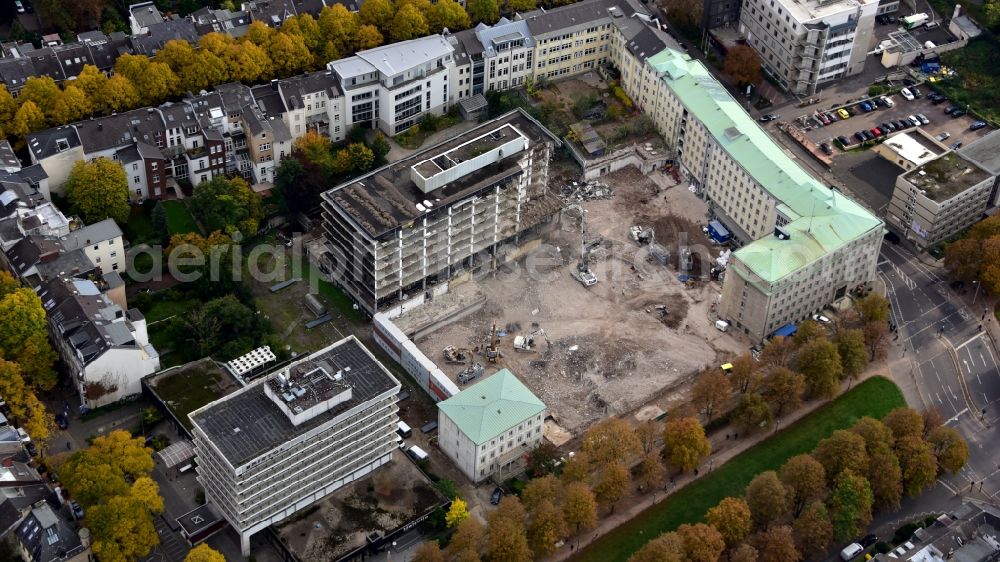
723,449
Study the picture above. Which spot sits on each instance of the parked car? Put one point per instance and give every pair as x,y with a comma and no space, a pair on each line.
832,116
19,6
956,145
865,106
907,95
913,120
842,112
976,125
768,117
820,318
868,540
860,137
61,421
825,148
916,93
939,100
923,119
943,136
844,141
868,135
887,101
876,132
958,112
822,118
887,127
76,509
496,496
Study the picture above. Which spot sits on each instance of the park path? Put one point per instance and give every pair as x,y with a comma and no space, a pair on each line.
724,448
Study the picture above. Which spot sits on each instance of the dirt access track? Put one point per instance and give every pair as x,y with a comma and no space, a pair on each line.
607,349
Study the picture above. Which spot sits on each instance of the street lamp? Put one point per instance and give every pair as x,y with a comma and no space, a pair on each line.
977,284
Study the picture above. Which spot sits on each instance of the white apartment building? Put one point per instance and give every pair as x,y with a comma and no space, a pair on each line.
805,244
490,426
105,347
288,440
101,242
392,86
804,44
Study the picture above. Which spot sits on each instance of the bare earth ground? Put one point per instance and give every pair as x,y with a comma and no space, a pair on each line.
380,502
609,349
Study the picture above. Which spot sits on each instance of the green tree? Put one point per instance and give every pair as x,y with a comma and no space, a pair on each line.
122,526
853,353
98,190
611,440
850,505
904,422
360,156
612,483
752,413
702,543
842,450
732,518
886,479
872,308
783,388
819,361
339,26
233,316
951,450
28,119
120,94
537,490
813,529
546,529
104,469
447,14
457,513
806,331
43,91
485,11
24,340
776,544
72,105
918,463
8,107
248,62
205,553
742,64
367,37
92,82
519,6
711,392
408,23
228,205
767,498
668,547
288,53
155,81
579,506
878,437
805,479
23,403
684,443
378,13
428,551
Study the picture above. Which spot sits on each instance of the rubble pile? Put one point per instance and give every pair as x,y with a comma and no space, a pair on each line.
587,191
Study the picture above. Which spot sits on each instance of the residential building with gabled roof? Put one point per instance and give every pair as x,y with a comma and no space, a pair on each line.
490,426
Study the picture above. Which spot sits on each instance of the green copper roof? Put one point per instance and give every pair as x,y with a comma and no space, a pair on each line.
488,408
820,219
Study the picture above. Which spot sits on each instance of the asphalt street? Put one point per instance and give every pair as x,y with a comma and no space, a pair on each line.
952,361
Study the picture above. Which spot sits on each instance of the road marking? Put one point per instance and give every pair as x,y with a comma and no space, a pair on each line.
968,341
951,488
979,379
983,359
956,416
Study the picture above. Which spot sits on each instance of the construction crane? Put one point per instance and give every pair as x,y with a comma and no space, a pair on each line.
583,273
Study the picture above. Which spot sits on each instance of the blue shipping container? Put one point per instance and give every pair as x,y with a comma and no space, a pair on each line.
718,232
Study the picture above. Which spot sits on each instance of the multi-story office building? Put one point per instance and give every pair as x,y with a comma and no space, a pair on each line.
938,199
412,225
805,244
803,44
291,438
490,426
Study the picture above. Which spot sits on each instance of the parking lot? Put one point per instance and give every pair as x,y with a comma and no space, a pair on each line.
957,128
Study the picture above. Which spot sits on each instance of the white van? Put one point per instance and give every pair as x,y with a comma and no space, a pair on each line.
403,430
721,325
416,453
851,552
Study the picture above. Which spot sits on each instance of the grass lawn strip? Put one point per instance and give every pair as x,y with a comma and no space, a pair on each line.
179,220
874,397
